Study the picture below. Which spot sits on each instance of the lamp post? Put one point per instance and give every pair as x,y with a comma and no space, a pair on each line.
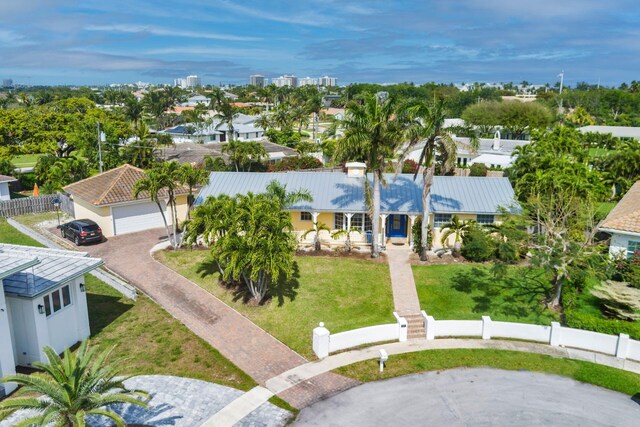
56,203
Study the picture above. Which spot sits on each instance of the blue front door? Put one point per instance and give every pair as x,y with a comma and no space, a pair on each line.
396,226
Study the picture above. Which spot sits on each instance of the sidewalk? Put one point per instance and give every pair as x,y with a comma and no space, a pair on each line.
405,296
238,409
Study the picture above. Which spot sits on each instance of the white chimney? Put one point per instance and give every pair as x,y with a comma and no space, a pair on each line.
356,169
496,141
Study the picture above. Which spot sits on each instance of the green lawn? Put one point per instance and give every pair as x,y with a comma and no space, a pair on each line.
604,208
8,234
26,160
460,291
345,293
152,340
432,360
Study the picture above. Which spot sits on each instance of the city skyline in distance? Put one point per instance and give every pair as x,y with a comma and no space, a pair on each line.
94,43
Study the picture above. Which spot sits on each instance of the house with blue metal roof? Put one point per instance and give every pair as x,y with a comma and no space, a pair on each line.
339,200
216,131
42,303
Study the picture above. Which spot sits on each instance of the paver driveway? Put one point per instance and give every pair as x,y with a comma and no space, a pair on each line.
249,347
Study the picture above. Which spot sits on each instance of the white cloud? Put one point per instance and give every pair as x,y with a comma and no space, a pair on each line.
309,18
221,52
10,38
159,31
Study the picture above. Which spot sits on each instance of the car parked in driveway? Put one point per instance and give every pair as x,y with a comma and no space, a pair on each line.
81,231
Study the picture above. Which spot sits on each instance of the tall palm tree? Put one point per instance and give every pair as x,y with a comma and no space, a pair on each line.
72,389
455,228
160,180
426,127
373,132
226,114
192,177
243,154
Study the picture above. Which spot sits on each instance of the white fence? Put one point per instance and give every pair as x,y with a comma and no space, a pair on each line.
324,342
556,335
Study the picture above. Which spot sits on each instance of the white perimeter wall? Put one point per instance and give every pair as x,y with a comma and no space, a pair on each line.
7,363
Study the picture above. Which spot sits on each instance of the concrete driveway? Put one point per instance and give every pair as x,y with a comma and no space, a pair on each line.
474,397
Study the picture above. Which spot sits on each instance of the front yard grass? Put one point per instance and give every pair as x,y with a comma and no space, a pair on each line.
434,360
344,293
151,340
444,297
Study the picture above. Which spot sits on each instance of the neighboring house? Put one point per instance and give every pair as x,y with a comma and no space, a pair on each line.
188,152
5,194
42,303
623,223
195,100
493,152
244,129
339,200
108,200
617,131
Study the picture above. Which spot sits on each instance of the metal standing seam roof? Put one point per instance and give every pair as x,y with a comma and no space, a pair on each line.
46,268
617,131
13,264
336,192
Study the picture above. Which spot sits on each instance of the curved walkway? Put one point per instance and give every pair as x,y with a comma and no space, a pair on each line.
288,380
248,346
181,402
479,397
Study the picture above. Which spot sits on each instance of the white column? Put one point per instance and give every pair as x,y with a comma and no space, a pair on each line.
383,220
555,338
412,220
7,362
403,327
486,327
622,348
348,216
321,336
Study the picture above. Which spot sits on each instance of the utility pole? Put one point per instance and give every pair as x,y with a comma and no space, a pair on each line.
99,147
561,75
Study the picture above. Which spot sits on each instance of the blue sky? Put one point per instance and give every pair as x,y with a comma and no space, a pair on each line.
113,41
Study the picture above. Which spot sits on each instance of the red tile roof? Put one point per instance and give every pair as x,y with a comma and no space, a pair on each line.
113,186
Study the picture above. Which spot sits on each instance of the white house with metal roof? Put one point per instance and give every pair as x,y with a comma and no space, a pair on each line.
244,129
339,200
617,131
43,303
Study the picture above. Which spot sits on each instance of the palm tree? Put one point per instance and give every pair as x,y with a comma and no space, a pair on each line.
226,114
426,126
72,389
317,228
244,154
263,122
287,198
373,132
161,180
339,233
456,228
192,177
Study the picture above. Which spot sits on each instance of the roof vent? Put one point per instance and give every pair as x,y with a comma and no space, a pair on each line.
356,169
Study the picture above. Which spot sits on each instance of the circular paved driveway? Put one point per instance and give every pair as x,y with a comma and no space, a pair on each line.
474,397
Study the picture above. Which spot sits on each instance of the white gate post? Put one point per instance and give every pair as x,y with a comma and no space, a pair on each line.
486,327
321,337
622,349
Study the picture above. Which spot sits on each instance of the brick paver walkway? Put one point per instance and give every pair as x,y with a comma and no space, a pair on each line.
249,347
405,296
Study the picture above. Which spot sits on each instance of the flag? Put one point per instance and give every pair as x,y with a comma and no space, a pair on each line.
36,192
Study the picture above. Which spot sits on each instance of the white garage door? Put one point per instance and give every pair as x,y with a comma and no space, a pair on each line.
138,217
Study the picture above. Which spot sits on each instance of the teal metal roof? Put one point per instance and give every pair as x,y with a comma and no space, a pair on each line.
336,192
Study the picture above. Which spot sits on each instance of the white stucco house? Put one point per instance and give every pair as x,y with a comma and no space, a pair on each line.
623,223
244,129
4,186
42,303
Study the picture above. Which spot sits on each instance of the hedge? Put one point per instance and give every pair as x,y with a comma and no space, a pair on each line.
574,319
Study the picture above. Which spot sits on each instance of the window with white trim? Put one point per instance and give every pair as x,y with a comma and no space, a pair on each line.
356,221
484,219
633,246
306,216
339,221
57,300
441,219
367,223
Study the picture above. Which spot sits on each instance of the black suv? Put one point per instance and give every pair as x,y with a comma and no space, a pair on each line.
81,231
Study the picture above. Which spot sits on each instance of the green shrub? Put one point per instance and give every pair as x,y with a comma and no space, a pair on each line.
286,137
295,163
575,319
477,246
478,169
506,251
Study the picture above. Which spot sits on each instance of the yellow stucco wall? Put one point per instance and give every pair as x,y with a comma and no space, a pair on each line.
181,207
101,215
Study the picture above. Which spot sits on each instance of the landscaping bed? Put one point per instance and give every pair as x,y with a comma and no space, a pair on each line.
343,292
